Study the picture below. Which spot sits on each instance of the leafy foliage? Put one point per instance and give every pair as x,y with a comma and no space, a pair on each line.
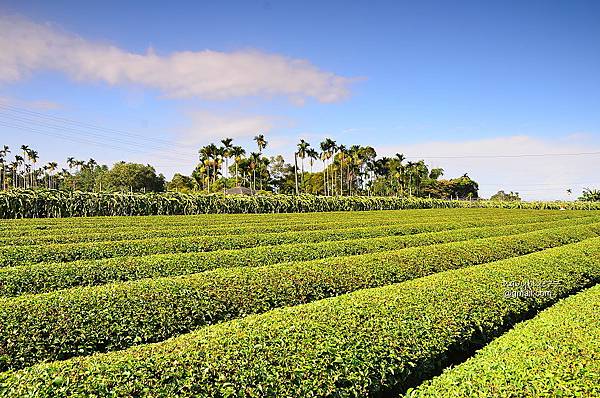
46,277
553,355
105,318
27,254
590,195
357,344
506,197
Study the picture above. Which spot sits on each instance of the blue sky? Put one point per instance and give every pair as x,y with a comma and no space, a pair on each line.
429,79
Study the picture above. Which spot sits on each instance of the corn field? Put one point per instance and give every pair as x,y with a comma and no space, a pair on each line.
55,204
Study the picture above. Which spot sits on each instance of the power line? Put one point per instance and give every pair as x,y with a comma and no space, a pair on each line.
77,139
167,142
507,156
73,130
82,124
544,184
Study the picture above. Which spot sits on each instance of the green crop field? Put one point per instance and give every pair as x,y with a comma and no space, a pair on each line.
437,302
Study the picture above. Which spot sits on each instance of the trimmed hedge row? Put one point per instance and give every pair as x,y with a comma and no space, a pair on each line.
222,220
81,321
358,344
157,230
22,255
118,234
26,227
556,354
53,203
247,217
46,277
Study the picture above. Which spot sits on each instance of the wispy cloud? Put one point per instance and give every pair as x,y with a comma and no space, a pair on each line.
44,105
543,178
26,47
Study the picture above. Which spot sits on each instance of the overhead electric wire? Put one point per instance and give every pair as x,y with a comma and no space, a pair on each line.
524,155
68,127
82,124
73,130
76,139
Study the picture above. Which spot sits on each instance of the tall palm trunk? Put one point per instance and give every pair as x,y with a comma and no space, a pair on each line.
341,176
296,171
332,179
208,177
324,178
237,184
303,185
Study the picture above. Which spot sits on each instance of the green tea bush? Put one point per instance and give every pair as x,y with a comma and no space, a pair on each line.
21,255
553,355
120,230
365,343
46,277
80,321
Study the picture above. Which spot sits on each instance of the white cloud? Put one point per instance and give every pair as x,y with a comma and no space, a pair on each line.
208,126
26,47
536,178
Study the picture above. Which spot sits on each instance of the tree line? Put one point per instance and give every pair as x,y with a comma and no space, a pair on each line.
24,173
343,171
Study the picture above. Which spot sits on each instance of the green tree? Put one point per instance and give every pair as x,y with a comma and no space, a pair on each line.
506,197
181,183
590,195
133,177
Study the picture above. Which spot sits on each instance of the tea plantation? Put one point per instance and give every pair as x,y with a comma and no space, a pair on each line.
440,302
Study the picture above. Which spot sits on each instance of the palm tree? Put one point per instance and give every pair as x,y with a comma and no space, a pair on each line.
254,162
262,144
213,159
33,155
421,172
312,156
352,154
343,151
91,164
51,166
2,171
220,152
14,168
204,158
26,151
5,151
245,171
411,171
400,168
264,167
79,165
227,154
324,150
237,152
302,148
71,162
330,149
296,172
19,161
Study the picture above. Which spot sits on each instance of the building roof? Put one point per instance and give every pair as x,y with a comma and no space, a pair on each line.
239,191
